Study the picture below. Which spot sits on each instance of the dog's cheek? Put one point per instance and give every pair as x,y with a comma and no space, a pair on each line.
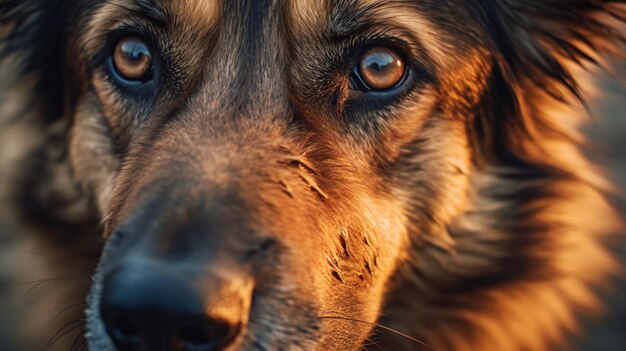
432,179
92,153
366,255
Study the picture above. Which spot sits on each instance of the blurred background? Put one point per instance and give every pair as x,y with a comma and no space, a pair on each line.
607,147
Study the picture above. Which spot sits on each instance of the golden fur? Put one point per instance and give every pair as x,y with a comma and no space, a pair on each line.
462,215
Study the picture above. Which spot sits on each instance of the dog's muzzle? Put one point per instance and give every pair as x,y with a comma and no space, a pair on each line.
151,305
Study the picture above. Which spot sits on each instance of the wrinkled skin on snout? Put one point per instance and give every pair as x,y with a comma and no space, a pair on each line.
217,203
239,194
305,175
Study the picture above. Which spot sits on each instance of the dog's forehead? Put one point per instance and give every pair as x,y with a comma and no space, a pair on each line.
301,17
254,36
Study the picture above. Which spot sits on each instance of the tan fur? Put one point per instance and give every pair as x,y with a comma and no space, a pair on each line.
380,218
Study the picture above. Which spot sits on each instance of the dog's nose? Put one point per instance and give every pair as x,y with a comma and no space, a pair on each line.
152,307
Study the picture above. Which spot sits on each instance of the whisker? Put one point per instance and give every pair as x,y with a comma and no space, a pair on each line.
41,282
79,304
381,327
78,337
82,297
50,279
73,325
371,342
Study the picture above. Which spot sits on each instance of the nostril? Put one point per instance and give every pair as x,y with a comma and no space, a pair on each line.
126,334
150,306
204,337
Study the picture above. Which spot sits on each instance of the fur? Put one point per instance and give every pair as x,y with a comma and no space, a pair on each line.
459,216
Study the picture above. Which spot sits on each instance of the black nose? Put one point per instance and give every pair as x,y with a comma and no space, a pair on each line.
151,307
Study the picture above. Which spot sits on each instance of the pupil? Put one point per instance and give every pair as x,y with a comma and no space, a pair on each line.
378,62
135,51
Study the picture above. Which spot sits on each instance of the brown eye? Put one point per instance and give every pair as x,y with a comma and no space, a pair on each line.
381,68
132,59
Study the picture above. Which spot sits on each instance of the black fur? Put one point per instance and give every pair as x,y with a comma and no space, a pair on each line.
529,44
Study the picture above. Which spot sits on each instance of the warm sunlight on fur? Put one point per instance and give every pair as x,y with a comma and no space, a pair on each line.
303,175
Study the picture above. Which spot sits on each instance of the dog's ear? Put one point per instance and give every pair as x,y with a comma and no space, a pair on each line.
537,45
32,34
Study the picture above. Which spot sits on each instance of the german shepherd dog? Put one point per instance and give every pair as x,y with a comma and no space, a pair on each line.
303,175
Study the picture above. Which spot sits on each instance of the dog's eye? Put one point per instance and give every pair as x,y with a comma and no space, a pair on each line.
380,69
132,59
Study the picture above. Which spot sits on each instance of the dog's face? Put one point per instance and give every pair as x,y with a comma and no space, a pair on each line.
273,157
271,175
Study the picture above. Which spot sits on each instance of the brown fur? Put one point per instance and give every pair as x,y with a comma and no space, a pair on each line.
462,216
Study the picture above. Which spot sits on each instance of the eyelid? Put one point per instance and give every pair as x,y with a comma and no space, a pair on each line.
396,40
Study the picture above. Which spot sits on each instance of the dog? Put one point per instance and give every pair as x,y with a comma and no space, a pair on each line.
303,175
